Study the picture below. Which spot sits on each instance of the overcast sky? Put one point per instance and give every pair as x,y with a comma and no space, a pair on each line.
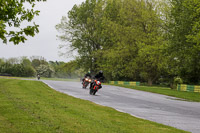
45,43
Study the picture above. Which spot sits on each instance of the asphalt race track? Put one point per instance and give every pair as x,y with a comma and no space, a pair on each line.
154,107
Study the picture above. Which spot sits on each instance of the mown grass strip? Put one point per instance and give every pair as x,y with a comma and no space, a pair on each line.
188,96
42,78
60,79
31,107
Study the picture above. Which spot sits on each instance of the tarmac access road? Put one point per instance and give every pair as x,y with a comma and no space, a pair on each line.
154,107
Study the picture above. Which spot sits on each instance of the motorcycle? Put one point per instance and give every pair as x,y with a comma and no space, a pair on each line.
38,77
86,82
95,87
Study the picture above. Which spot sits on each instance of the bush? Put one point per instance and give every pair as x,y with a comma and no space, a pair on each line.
177,80
45,71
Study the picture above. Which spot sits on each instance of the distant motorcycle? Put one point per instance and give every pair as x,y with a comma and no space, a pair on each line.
95,87
38,77
86,82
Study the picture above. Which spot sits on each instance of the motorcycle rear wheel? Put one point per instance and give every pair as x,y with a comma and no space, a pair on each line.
91,91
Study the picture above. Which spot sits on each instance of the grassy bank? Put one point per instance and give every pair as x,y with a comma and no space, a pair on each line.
188,96
31,107
42,78
61,79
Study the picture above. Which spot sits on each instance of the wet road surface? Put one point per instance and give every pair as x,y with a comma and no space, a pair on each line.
154,107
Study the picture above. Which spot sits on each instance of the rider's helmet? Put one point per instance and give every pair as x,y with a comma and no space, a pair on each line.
89,72
101,72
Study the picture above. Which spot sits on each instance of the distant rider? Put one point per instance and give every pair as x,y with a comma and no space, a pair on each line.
86,75
38,77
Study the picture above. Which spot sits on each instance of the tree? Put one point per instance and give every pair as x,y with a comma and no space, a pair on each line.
59,70
136,39
28,68
70,68
184,36
81,29
12,14
25,61
111,35
13,61
12,66
37,61
45,71
151,59
151,62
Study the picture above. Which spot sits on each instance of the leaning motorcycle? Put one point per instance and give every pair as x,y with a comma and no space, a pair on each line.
95,87
86,82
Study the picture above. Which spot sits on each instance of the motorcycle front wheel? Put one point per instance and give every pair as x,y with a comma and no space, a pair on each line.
94,92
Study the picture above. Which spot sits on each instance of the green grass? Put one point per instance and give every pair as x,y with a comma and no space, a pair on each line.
180,95
32,107
60,79
42,78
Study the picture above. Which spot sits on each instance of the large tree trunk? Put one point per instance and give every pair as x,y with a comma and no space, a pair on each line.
150,81
173,86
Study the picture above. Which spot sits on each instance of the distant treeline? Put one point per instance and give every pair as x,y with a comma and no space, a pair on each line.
153,41
25,67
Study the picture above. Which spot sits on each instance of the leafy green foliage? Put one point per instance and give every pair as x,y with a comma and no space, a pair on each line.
136,39
65,70
12,14
11,67
44,71
178,80
23,67
81,29
184,30
37,61
115,35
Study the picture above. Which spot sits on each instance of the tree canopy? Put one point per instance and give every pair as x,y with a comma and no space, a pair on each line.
25,67
115,35
145,40
184,31
12,14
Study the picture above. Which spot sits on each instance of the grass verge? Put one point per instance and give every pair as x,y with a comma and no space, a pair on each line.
31,106
42,78
180,95
61,79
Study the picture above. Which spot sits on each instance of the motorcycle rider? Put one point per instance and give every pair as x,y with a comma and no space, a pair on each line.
98,76
86,75
38,77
